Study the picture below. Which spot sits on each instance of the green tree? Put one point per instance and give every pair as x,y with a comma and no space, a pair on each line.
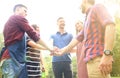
116,50
74,67
1,41
48,65
1,45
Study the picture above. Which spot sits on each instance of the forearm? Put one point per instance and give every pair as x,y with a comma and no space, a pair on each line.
42,43
70,46
74,50
35,45
109,37
40,47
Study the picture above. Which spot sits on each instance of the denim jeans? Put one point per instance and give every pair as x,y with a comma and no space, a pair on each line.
11,70
8,69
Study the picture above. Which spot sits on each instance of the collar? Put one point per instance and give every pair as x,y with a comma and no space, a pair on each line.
62,33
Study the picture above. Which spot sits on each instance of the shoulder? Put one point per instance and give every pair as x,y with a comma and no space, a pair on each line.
53,35
68,33
18,18
99,7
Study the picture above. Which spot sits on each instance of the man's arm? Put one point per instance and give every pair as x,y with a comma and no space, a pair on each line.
68,48
73,43
35,45
109,37
106,61
42,43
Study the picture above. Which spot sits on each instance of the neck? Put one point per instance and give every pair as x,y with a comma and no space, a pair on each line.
77,32
61,31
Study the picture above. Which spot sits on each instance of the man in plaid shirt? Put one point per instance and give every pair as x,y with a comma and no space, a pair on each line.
98,37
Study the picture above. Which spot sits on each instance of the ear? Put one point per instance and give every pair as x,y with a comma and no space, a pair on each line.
17,9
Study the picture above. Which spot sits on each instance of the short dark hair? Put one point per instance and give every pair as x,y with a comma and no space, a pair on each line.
92,2
59,18
18,5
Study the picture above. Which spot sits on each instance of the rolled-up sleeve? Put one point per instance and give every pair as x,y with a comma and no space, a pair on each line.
24,25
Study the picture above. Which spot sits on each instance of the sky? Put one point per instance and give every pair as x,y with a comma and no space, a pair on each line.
45,13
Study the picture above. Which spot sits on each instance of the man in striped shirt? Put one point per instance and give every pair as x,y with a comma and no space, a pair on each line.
98,37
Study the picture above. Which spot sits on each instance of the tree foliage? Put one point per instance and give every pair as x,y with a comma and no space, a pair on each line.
116,50
1,41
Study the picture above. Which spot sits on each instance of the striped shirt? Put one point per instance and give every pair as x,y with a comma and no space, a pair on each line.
33,63
92,35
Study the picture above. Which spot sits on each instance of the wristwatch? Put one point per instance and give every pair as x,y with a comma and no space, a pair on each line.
108,52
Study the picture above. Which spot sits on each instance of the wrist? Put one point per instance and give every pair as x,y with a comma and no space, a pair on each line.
108,52
62,51
49,49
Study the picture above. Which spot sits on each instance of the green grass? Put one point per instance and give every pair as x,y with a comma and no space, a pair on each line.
0,74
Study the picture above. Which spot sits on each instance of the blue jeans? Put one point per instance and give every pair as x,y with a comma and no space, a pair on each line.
11,70
61,69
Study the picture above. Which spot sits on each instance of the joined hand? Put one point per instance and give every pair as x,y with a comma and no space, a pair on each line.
56,52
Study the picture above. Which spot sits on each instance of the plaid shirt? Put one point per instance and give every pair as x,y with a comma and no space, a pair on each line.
92,35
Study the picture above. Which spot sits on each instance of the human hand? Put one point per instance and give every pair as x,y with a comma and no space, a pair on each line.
105,65
43,69
56,52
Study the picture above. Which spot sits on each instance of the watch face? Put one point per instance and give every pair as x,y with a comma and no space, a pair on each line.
107,52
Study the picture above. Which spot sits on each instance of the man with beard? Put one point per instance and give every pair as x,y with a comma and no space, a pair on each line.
98,37
61,64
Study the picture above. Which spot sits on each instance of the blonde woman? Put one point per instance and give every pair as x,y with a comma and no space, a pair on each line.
81,66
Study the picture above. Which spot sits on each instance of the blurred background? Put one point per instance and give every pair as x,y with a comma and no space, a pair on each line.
45,13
